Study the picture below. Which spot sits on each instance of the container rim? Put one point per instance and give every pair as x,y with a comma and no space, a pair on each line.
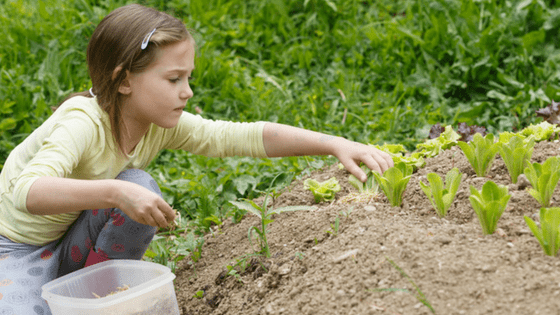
97,303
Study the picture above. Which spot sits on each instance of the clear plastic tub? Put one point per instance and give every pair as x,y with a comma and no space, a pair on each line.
150,290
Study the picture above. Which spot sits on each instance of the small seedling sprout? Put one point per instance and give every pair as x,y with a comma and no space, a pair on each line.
334,227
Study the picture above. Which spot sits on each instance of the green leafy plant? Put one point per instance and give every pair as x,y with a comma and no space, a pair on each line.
489,204
193,248
548,234
516,153
232,272
199,294
544,179
334,227
440,138
394,182
369,187
480,152
441,196
542,131
322,191
265,214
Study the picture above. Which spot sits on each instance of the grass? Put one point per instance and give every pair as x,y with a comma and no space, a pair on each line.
371,71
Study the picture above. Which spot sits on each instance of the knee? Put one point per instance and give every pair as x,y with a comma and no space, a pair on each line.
141,178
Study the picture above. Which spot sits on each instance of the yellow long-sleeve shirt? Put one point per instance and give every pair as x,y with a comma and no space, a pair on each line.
76,142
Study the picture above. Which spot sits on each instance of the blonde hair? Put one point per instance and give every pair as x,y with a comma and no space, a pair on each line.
115,48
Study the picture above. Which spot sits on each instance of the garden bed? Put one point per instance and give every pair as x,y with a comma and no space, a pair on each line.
456,267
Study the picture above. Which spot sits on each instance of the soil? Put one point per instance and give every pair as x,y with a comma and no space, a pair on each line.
457,268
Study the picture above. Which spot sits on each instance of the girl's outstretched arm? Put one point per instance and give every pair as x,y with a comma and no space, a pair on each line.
282,140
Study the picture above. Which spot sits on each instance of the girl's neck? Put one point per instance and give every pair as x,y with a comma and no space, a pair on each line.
132,134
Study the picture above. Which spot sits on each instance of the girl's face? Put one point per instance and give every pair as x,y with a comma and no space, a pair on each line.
159,94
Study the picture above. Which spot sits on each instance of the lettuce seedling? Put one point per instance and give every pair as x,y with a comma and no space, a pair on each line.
265,214
544,179
370,186
516,154
549,233
398,154
480,152
542,131
440,139
394,181
489,204
442,196
322,190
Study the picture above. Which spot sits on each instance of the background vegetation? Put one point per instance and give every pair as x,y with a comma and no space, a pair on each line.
372,71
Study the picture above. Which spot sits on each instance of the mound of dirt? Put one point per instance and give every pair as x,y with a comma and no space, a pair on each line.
449,260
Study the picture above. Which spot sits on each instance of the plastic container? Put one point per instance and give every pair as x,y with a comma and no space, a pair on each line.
150,290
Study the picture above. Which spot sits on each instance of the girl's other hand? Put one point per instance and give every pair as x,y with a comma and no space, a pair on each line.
351,153
143,205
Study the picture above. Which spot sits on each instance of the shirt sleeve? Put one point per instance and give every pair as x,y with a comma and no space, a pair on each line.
59,152
216,138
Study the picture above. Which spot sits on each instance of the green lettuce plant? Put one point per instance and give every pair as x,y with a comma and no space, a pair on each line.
541,131
322,190
489,204
441,195
370,186
516,153
544,179
394,182
548,234
480,152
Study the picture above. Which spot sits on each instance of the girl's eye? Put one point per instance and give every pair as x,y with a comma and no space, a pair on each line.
174,80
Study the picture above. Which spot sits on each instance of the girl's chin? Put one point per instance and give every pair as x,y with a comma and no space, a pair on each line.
168,124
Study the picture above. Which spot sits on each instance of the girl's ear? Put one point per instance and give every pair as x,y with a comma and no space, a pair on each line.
124,87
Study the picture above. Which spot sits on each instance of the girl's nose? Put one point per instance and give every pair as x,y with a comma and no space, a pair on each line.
186,92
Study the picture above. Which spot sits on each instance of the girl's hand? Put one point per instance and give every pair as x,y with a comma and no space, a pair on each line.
143,205
351,153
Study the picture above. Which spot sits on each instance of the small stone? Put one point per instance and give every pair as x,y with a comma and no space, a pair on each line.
500,232
442,240
510,245
370,208
340,293
522,182
348,254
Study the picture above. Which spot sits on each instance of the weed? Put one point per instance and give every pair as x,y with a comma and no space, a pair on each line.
334,227
265,214
419,295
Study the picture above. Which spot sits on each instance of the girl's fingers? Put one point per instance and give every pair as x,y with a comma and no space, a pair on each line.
167,211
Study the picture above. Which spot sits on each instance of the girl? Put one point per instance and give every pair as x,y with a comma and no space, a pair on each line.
90,154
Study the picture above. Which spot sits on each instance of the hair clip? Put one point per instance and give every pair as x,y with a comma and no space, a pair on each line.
147,39
91,92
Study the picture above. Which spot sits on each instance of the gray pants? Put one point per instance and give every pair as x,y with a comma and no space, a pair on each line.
97,235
